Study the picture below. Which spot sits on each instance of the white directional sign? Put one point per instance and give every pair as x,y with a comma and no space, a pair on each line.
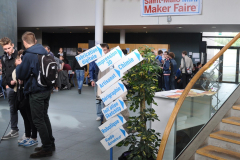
112,124
110,59
114,138
114,108
128,61
89,55
113,92
109,79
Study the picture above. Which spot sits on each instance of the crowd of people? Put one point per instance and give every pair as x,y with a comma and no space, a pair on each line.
20,78
171,77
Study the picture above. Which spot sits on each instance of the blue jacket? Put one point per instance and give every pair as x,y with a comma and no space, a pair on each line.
30,66
166,67
159,58
93,71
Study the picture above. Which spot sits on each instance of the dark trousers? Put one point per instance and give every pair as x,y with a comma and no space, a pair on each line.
172,82
160,81
30,129
167,83
39,103
13,109
185,79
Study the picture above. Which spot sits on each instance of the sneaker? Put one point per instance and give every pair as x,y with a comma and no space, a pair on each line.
55,90
37,149
23,142
98,119
65,87
23,137
1,94
85,85
41,154
79,91
11,134
30,143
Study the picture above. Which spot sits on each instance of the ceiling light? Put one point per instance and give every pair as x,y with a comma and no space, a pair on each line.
88,32
144,27
86,28
37,28
146,31
180,27
214,27
70,32
106,32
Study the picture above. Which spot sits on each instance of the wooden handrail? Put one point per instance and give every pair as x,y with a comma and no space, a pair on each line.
184,95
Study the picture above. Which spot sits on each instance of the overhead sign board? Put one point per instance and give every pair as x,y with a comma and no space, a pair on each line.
113,92
128,61
170,7
114,108
112,124
89,55
114,138
109,59
109,79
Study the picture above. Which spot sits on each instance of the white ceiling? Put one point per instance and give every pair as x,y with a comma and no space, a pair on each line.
140,29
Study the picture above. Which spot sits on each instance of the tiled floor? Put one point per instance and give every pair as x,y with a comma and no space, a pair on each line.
74,127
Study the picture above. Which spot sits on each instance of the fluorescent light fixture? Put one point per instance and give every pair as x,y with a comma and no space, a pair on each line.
214,27
144,27
86,28
37,28
180,27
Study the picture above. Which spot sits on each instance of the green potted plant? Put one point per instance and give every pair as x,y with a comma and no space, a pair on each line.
142,79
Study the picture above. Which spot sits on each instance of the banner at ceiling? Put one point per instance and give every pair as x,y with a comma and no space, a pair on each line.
170,7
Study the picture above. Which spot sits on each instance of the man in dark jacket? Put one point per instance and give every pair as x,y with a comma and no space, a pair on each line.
79,71
8,65
39,96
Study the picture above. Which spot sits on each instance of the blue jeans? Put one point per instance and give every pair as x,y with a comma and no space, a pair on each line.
167,83
86,80
80,78
99,105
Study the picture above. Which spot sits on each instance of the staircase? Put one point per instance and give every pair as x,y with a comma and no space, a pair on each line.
223,144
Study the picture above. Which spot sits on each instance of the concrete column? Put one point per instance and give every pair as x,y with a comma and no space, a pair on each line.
8,21
122,36
99,22
38,35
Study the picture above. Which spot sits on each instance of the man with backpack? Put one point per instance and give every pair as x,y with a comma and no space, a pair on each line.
38,88
186,68
8,65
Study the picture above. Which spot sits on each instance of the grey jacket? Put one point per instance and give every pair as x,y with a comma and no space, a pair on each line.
58,61
189,64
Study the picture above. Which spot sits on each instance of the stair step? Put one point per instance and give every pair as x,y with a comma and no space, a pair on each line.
232,120
218,153
236,107
226,136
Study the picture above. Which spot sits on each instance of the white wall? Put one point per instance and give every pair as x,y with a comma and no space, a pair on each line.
51,13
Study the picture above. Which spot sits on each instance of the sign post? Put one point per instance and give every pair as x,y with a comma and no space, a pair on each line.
112,88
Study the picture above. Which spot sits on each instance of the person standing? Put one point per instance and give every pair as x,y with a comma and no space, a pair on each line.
39,96
95,74
173,70
49,51
167,72
79,71
8,65
160,77
186,68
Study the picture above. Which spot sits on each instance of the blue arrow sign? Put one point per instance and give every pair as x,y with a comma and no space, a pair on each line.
120,117
123,131
119,52
138,55
122,103
118,72
122,86
100,50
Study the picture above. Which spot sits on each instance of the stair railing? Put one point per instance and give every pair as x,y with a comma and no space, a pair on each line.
184,95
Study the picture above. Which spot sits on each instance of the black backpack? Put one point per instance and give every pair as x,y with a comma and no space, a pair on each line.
47,71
